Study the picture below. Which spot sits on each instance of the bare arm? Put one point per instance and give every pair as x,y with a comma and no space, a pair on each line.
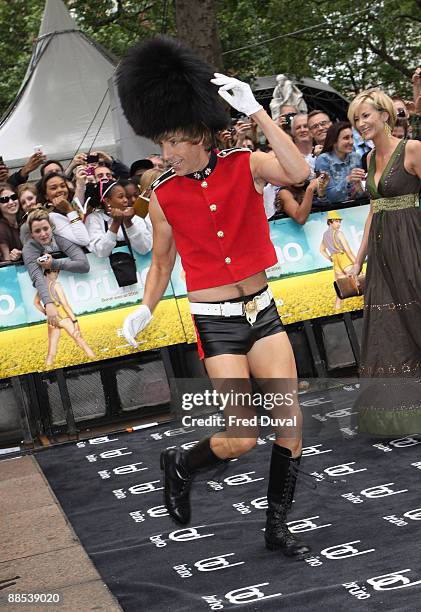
413,157
298,212
416,83
325,252
362,251
38,305
346,247
163,256
288,167
62,297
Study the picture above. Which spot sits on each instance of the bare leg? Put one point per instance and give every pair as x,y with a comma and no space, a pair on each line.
231,373
75,335
272,362
53,340
228,372
338,302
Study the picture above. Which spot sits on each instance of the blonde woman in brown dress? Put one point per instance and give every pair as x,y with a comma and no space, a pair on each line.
391,345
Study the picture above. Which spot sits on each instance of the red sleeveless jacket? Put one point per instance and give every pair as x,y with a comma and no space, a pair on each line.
219,224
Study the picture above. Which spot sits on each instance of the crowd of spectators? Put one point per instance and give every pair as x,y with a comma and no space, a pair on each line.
76,203
335,151
52,223
87,211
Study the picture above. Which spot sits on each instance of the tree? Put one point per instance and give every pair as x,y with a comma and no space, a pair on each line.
116,25
196,25
19,25
352,45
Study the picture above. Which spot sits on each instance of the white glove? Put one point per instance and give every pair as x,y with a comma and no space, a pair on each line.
135,322
241,98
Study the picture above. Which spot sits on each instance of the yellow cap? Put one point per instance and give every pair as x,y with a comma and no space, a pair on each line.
333,215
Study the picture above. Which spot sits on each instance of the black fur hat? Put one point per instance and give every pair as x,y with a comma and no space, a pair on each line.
164,86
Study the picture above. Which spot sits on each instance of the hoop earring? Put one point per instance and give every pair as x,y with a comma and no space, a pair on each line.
387,129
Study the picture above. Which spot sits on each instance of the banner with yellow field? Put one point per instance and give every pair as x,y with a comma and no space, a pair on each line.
301,281
28,344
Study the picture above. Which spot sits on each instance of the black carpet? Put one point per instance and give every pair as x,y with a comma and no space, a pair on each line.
362,519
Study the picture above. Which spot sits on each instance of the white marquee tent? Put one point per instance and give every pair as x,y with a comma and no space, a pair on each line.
63,103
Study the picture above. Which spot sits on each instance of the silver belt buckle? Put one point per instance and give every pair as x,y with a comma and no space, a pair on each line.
251,311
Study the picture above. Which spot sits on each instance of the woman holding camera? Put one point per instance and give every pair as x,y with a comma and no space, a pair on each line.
37,257
391,345
105,224
341,163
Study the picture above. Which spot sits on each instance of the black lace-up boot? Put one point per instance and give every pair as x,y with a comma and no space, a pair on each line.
179,469
282,480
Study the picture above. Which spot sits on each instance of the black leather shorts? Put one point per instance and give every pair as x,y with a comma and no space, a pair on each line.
217,335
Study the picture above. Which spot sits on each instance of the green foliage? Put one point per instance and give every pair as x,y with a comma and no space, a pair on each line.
118,25
352,45
379,44
19,25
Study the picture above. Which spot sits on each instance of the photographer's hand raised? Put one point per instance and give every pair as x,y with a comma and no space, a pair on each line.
80,175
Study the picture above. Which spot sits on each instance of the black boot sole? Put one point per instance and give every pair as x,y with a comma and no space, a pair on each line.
274,547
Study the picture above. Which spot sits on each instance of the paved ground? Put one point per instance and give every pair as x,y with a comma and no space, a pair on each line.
39,552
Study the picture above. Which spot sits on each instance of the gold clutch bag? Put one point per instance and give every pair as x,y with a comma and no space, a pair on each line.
349,286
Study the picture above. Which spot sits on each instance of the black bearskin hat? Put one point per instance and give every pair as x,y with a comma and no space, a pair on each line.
163,87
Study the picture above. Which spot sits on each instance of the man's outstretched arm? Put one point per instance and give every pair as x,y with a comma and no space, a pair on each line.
157,279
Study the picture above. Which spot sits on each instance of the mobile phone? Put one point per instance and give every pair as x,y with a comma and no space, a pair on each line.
288,119
92,159
1,160
90,171
141,206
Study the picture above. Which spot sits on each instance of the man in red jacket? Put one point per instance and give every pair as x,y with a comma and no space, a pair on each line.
209,208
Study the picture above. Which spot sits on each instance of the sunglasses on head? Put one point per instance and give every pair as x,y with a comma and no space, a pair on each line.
6,199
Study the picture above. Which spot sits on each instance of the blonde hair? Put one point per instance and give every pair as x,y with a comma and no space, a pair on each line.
378,100
27,187
148,177
39,214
